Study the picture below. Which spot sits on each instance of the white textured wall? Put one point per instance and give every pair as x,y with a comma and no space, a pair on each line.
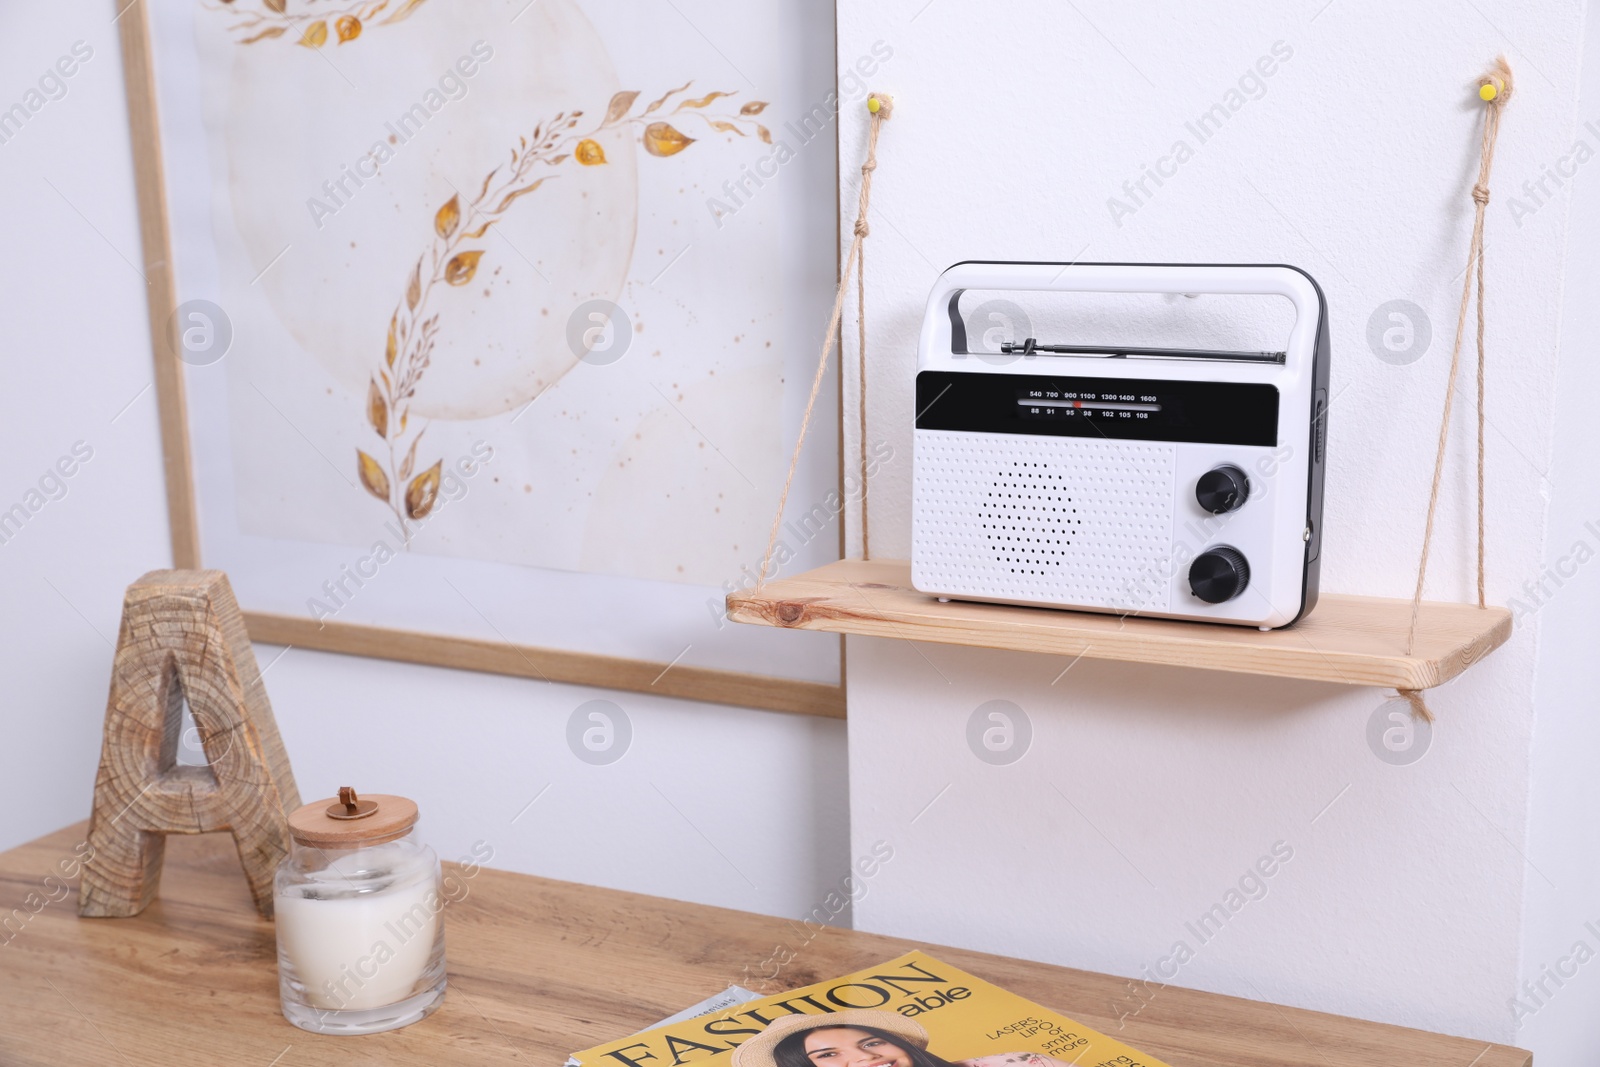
687,812
1147,793
1556,1008
76,361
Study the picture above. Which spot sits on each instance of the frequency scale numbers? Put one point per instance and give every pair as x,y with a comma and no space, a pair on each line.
1067,404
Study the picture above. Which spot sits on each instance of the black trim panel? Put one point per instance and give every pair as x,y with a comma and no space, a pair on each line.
1142,409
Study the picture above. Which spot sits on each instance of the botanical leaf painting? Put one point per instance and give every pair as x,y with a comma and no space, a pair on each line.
438,305
409,246
309,23
538,157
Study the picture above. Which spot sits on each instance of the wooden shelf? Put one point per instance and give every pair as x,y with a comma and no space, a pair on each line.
1356,640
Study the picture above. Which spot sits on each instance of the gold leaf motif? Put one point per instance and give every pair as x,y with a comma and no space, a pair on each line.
348,28
703,101
423,492
377,409
589,153
372,476
404,12
660,139
270,31
389,347
754,107
275,5
487,178
480,231
449,216
411,458
414,288
765,134
462,266
511,197
316,35
620,105
726,127
665,96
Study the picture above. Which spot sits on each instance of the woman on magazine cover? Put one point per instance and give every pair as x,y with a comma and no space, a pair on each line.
860,1038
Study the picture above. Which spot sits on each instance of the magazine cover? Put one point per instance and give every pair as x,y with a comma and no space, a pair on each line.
909,1012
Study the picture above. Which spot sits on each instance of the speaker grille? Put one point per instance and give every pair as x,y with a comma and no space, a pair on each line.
1060,520
1028,518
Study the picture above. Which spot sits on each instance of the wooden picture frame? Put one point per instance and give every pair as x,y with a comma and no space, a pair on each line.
463,653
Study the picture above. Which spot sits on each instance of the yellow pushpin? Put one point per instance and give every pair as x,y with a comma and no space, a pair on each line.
1487,91
873,106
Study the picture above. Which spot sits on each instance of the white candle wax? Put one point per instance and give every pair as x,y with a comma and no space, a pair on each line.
358,951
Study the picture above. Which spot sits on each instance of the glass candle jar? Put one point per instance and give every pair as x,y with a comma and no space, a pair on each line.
359,917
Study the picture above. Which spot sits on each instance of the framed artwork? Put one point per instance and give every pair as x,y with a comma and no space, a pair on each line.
482,331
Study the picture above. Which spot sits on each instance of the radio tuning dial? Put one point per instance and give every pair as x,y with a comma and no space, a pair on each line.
1222,489
1219,574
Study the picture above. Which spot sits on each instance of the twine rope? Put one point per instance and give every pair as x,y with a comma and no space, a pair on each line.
861,386
1495,89
880,107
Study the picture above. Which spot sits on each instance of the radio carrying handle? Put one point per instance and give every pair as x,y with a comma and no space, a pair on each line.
944,324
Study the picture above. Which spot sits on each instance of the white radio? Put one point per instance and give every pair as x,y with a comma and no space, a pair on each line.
1183,483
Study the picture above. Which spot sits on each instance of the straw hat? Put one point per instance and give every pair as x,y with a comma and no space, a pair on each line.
757,1052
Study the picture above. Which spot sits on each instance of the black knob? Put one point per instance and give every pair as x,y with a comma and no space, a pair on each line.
1218,574
1222,489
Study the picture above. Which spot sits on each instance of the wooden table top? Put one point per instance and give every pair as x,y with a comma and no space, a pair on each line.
538,969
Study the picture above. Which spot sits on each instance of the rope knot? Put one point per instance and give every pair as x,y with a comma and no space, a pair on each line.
1480,194
1419,707
869,166
1495,85
862,229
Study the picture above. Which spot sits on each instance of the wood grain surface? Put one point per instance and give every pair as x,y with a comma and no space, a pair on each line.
1350,639
551,665
538,969
182,637
161,301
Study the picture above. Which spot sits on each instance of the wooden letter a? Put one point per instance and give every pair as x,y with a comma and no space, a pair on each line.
183,638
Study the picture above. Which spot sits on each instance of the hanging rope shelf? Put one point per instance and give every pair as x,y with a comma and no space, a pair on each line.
1408,645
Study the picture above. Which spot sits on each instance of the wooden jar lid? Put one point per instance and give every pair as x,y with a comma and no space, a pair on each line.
368,820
